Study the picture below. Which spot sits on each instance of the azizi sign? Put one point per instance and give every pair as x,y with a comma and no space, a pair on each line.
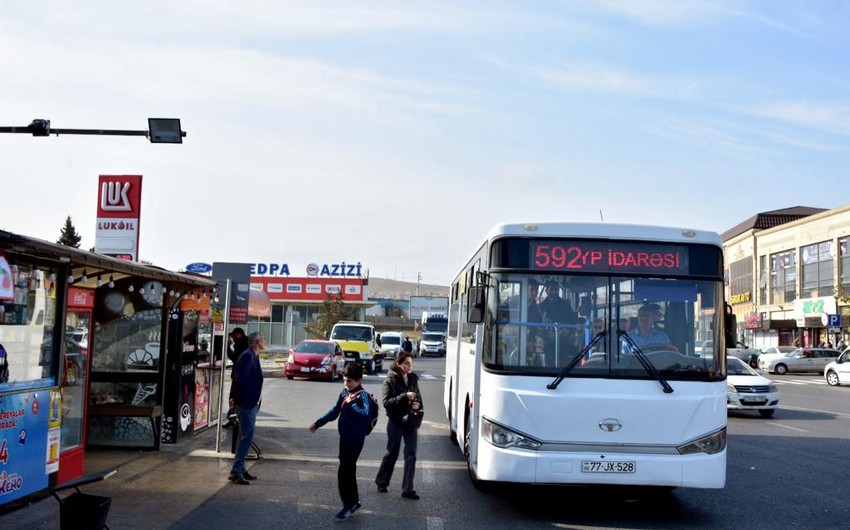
119,202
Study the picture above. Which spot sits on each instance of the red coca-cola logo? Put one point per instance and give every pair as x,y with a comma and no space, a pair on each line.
80,297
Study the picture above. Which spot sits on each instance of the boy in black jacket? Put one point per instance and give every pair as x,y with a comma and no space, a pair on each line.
352,409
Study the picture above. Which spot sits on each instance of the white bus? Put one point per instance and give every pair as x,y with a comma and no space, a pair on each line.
571,356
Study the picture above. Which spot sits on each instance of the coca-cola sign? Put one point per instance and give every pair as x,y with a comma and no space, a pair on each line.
80,297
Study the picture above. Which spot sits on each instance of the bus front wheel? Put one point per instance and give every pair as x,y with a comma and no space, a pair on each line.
481,485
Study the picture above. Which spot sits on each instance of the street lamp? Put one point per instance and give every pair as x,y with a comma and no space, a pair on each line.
160,130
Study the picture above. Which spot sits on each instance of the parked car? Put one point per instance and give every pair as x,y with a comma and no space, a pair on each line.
838,371
799,360
778,349
391,343
747,390
315,359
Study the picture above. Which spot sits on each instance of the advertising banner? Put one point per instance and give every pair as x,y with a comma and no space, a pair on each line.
239,275
24,453
119,204
429,304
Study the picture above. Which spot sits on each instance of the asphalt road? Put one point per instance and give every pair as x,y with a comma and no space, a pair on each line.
784,472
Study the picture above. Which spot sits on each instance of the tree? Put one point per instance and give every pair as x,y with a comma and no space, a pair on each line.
333,310
69,236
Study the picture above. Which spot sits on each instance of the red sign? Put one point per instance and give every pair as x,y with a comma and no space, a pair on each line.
80,297
119,206
310,289
119,196
592,256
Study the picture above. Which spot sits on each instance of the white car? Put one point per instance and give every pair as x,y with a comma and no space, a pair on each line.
747,390
799,360
838,371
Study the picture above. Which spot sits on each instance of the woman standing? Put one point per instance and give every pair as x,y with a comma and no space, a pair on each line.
401,398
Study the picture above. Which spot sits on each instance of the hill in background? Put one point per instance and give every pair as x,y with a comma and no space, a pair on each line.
398,290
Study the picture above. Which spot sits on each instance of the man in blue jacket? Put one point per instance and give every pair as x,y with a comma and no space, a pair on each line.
245,393
352,409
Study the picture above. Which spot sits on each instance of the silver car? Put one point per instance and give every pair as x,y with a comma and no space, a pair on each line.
799,360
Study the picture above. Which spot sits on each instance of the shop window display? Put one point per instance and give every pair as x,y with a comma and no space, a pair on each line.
27,322
125,361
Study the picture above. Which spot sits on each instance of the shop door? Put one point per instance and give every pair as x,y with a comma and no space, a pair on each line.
74,387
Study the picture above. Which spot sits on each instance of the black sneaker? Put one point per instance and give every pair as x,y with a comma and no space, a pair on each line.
344,514
238,479
410,495
356,507
382,489
249,476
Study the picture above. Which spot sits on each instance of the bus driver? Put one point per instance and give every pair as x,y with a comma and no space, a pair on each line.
645,333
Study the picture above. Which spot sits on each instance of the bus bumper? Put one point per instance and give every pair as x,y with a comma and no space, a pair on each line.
551,467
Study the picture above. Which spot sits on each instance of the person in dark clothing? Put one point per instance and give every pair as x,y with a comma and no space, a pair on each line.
407,345
245,391
237,346
401,395
352,409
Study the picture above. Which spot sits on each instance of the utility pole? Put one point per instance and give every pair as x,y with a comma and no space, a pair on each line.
418,279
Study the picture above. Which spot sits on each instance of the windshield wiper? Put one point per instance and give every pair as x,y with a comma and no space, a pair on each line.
569,368
645,362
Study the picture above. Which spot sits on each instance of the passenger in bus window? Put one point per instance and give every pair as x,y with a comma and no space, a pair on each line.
555,308
645,333
534,334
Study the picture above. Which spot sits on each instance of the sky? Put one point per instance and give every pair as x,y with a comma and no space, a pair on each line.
395,134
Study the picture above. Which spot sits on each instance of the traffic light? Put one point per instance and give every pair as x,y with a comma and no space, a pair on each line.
39,127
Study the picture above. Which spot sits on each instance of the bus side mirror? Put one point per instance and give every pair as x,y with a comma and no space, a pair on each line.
731,325
476,301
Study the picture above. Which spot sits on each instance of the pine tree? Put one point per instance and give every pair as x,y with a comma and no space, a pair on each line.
69,236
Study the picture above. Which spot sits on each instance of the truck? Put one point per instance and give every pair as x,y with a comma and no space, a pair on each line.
434,322
432,342
359,344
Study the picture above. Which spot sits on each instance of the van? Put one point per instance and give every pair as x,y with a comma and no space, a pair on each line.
391,343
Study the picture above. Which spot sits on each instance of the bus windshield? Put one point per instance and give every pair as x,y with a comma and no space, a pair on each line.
606,326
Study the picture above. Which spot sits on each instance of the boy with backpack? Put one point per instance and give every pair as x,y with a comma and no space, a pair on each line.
355,409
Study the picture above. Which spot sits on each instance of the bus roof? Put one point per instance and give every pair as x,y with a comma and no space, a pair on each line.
605,230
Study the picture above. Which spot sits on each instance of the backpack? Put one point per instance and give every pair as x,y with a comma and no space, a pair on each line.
374,412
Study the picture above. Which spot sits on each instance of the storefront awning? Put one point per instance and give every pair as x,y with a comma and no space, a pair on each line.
92,264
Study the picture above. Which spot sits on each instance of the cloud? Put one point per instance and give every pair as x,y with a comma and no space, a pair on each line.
658,13
827,117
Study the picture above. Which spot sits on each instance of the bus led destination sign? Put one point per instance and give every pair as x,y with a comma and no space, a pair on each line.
617,257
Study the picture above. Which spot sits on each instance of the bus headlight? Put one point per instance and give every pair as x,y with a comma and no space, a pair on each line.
501,436
711,444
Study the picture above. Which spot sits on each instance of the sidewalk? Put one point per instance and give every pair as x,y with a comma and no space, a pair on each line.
157,487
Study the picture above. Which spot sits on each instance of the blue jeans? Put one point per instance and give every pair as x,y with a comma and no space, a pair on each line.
247,418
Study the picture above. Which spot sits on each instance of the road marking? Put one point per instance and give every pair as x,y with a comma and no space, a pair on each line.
321,459
818,411
434,523
383,375
779,425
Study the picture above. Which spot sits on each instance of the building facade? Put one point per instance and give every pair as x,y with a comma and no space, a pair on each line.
788,277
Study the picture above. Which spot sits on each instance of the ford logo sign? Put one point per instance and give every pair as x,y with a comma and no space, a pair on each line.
610,425
199,268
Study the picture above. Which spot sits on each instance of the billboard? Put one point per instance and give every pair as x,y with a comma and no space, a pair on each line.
119,204
431,304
